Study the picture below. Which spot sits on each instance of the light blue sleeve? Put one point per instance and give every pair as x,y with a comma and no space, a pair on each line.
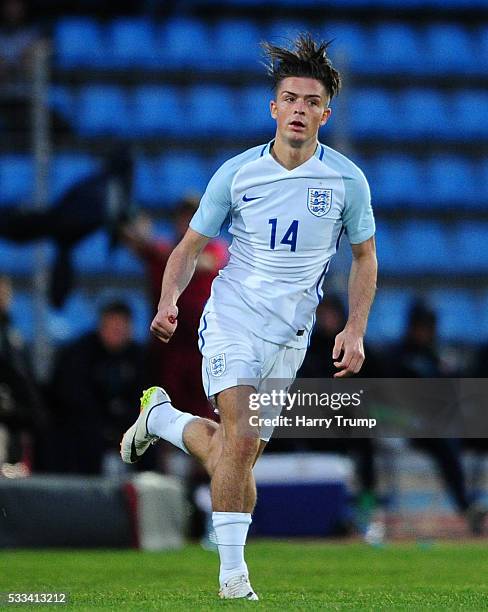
357,216
215,203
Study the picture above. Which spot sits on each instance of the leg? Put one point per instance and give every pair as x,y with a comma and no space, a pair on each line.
216,447
240,444
446,453
229,452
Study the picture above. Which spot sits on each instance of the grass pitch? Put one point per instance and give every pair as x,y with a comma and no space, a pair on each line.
287,576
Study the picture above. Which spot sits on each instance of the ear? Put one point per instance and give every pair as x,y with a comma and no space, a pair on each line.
273,109
325,116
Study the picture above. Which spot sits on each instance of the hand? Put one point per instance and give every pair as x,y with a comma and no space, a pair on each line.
350,344
164,323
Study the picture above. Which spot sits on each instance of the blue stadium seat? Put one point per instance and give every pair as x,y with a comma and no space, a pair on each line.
450,182
164,230
254,116
237,44
469,249
22,313
16,259
481,46
458,314
186,42
91,255
388,316
212,110
102,110
422,113
387,248
132,43
142,312
124,263
350,45
182,174
481,200
77,316
67,169
62,101
147,186
457,4
425,247
449,49
394,3
395,179
483,318
16,178
21,259
469,112
396,48
372,113
282,32
158,110
79,42
292,3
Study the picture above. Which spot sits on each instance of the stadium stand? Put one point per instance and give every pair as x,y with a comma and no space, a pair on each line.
16,178
413,113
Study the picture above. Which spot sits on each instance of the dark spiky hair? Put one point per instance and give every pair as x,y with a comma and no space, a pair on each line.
307,58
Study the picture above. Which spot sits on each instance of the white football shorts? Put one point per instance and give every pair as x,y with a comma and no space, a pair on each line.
233,355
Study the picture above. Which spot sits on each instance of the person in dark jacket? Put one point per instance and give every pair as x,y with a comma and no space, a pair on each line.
21,406
96,386
417,356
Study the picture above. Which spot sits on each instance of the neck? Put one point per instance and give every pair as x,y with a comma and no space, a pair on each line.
291,157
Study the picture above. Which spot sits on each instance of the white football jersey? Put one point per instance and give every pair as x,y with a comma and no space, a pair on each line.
286,226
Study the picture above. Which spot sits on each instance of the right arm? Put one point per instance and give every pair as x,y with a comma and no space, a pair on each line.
205,224
177,274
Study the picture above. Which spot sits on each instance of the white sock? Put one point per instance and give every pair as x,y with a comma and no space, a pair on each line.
168,423
231,532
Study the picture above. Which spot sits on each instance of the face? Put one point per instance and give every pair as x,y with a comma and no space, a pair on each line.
300,109
115,331
423,334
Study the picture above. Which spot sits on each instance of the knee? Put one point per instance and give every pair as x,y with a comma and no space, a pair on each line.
242,448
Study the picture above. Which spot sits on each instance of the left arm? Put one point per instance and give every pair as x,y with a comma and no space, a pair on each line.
362,287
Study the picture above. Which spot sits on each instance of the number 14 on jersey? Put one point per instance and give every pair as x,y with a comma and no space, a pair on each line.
289,237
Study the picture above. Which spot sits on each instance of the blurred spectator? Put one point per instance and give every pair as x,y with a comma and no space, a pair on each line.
21,408
96,386
177,367
417,356
331,319
478,446
102,200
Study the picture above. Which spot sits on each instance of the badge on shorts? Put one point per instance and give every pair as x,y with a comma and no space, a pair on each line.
319,201
217,364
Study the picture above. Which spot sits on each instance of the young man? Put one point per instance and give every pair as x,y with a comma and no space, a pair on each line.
289,202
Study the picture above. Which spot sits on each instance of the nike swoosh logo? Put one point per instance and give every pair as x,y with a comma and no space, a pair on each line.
246,199
133,453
